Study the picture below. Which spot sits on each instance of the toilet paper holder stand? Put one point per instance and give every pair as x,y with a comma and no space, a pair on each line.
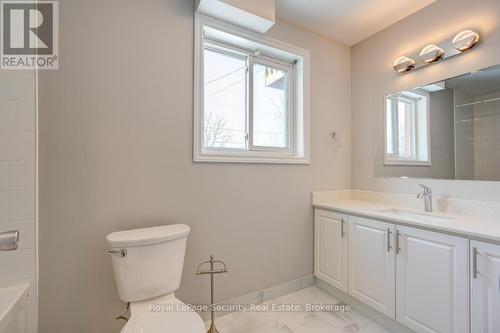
212,271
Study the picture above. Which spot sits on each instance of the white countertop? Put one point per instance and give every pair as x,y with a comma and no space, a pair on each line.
10,297
461,225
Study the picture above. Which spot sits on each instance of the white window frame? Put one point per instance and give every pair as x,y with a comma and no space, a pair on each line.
394,158
297,150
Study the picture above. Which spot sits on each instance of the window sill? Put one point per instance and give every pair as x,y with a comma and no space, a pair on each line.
408,163
246,158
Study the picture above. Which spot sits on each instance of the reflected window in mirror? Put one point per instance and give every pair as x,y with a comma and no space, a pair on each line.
463,115
407,136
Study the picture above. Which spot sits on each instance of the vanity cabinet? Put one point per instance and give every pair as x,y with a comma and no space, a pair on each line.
419,278
432,284
372,266
330,241
485,287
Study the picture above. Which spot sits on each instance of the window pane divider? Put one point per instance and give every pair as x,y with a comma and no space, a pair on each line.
250,104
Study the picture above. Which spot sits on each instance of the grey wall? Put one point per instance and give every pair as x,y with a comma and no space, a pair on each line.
373,77
441,136
116,153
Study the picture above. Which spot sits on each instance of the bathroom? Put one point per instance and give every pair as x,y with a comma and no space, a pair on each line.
123,126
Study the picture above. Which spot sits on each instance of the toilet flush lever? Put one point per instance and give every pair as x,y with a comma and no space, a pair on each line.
121,252
9,241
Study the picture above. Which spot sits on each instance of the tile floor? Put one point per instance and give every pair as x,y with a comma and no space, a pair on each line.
298,322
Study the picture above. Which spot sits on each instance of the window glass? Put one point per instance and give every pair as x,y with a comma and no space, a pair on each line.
405,130
225,101
270,106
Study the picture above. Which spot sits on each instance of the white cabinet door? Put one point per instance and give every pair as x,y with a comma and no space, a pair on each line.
432,281
372,264
330,254
485,287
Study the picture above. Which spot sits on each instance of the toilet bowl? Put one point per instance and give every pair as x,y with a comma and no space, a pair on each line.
148,266
163,314
183,322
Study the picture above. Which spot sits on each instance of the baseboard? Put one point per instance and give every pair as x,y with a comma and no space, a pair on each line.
264,295
364,309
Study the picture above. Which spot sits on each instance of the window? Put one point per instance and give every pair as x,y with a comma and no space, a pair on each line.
250,97
407,129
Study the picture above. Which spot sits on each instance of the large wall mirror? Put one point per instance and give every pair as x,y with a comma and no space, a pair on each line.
446,130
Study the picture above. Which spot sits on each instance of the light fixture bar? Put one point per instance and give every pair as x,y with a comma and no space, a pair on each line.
434,53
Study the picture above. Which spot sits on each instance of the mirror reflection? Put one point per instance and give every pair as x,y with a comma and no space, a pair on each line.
446,130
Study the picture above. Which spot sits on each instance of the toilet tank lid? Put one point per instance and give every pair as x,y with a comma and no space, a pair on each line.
147,236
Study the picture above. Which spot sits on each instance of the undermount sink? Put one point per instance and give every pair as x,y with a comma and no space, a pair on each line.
429,217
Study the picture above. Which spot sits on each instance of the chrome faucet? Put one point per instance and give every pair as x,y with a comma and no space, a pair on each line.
426,194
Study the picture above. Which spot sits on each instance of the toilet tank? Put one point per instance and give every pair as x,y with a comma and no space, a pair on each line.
148,262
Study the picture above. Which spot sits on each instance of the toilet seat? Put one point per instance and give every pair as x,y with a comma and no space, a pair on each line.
163,322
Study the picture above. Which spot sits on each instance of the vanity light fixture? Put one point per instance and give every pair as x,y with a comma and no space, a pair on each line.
465,40
403,64
431,53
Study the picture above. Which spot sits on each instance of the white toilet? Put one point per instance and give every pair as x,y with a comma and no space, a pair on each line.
148,266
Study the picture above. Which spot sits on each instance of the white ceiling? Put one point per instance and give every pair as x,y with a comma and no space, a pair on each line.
346,21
